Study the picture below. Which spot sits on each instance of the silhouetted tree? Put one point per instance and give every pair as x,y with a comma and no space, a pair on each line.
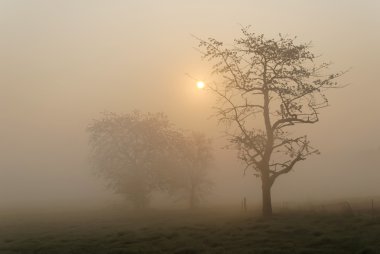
265,87
130,151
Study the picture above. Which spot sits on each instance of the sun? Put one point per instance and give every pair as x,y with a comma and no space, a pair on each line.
200,84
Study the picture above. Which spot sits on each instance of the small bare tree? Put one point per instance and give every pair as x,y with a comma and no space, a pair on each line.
194,155
265,87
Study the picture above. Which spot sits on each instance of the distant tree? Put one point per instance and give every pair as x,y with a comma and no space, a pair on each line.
194,155
265,87
142,153
130,151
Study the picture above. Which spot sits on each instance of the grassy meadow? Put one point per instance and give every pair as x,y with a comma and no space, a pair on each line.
223,230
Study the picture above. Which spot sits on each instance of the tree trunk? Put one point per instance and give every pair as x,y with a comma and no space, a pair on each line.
267,200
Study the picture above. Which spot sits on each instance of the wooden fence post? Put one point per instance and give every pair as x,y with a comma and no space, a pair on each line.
244,205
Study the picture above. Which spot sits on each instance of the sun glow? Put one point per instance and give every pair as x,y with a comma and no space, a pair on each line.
200,84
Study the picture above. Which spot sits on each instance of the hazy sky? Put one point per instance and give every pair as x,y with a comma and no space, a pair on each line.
64,62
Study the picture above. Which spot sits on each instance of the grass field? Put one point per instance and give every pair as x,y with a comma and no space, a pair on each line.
204,231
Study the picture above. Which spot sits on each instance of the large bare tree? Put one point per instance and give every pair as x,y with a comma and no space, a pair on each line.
264,88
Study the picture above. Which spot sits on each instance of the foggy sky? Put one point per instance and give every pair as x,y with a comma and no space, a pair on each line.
64,62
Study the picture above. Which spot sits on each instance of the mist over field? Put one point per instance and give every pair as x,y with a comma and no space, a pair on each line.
64,63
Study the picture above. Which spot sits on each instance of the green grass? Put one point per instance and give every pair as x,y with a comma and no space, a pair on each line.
183,232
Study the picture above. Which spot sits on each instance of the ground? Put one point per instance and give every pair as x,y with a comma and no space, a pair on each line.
118,231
